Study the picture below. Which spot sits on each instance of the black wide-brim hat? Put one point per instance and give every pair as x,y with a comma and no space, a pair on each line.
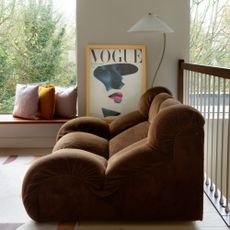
111,75
118,68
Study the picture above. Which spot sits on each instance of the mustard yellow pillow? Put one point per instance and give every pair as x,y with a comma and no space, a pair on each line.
46,101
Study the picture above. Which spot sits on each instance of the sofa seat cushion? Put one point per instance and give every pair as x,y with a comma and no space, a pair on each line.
128,137
84,141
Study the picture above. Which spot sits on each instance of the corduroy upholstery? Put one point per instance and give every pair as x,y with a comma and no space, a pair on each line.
145,166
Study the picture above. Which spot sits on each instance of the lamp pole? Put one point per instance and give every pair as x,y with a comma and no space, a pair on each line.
160,62
151,23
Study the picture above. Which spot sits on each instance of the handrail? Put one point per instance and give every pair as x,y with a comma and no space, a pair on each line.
210,70
207,89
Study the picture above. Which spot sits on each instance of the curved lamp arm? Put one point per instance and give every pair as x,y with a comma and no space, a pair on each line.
160,62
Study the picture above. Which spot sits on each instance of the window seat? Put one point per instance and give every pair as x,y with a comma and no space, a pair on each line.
9,119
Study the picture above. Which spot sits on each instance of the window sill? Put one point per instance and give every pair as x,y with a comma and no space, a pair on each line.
9,119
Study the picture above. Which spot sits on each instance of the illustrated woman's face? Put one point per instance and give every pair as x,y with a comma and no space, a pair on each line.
111,76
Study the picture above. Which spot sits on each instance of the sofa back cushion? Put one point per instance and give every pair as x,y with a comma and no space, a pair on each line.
156,104
147,98
128,137
169,102
134,126
124,122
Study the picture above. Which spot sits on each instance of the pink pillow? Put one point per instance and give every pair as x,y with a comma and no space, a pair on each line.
66,102
26,101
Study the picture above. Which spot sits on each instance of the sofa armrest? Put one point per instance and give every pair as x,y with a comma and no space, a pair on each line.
54,179
91,125
174,122
124,122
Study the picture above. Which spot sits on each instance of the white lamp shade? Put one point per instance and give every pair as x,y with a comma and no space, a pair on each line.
151,23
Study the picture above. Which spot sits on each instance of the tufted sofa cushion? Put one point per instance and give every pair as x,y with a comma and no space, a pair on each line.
128,137
85,141
146,165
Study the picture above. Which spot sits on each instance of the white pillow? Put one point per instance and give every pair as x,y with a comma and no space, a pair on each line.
66,102
26,101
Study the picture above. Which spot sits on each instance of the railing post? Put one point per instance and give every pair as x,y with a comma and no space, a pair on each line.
180,81
213,101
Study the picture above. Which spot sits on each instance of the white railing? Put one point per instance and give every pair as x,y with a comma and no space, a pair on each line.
208,90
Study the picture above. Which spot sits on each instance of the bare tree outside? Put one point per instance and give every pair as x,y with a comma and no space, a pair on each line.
210,32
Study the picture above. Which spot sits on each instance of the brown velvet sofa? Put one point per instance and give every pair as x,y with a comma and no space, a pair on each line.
144,166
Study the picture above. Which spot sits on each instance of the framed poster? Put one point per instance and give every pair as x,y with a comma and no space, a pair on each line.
116,79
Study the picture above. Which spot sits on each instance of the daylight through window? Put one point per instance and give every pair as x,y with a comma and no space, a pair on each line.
37,44
209,32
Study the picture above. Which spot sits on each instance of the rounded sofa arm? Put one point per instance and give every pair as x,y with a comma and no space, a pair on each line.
172,122
91,125
58,178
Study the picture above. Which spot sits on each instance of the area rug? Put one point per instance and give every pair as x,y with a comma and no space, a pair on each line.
12,213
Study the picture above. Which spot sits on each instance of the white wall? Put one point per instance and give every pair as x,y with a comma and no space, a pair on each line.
106,22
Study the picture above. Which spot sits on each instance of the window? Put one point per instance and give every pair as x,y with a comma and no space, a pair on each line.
37,44
209,38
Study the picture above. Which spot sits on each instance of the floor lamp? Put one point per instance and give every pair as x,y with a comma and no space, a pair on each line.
150,23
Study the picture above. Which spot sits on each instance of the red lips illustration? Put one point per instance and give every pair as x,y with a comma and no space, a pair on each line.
117,97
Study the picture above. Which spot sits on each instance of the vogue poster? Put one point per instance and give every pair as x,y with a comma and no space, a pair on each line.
116,79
